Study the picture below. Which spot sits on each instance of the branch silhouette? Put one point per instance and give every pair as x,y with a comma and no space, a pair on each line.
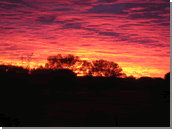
95,68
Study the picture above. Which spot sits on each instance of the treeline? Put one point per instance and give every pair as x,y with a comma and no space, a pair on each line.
95,68
74,63
61,70
20,76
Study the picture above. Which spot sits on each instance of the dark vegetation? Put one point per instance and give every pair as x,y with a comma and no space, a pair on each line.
54,96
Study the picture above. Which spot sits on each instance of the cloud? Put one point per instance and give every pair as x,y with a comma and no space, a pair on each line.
147,10
72,25
8,6
138,1
161,55
59,22
109,34
9,28
61,9
46,19
110,9
13,47
53,42
107,52
13,1
164,24
50,38
142,41
25,12
80,2
86,45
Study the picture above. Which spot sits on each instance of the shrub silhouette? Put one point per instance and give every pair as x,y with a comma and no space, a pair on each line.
64,73
167,76
167,82
144,78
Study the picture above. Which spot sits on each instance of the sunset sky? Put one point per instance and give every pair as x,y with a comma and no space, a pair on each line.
133,33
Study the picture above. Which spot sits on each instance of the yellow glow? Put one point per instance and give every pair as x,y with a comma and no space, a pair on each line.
128,68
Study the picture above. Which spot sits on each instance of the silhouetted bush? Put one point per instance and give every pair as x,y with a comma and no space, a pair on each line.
144,82
145,78
65,73
167,76
3,67
40,71
167,82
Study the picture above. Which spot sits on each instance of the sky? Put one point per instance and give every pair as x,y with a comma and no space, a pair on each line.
135,34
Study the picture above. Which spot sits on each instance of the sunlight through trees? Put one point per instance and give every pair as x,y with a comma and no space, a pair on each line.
95,68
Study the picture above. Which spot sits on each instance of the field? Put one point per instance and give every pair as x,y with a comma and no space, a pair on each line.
83,108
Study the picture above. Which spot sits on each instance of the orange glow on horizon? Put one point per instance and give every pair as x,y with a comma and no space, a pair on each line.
127,70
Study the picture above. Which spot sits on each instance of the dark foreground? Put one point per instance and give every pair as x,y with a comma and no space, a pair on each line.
75,104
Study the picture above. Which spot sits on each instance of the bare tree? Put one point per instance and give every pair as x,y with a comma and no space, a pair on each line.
29,59
22,59
36,65
11,60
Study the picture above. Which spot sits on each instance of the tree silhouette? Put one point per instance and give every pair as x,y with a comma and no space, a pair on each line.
36,65
167,81
86,67
95,68
101,68
53,62
167,76
29,59
107,68
22,59
60,62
